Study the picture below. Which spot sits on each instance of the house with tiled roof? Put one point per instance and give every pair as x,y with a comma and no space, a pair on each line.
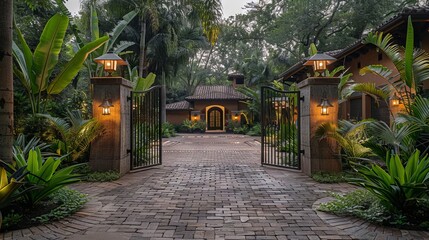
215,105
358,55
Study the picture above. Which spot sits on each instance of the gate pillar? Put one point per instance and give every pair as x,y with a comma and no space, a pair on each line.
109,151
318,155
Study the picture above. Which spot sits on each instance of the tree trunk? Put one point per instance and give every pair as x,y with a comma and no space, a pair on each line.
6,79
142,43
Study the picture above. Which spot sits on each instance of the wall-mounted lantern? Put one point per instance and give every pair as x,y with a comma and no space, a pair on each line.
325,105
110,62
235,115
195,115
394,100
320,61
106,105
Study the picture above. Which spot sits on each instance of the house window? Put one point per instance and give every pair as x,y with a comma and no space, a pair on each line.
380,111
355,109
359,65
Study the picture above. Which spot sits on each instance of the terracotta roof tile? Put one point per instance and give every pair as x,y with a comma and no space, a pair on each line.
216,92
182,105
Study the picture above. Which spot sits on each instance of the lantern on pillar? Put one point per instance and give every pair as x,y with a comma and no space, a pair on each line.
320,61
110,62
325,105
106,105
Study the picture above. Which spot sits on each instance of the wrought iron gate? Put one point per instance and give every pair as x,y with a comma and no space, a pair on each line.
146,137
280,120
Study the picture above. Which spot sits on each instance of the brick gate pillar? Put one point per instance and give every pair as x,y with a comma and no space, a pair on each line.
319,155
109,151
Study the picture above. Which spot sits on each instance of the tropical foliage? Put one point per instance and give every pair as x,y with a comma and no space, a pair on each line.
34,69
75,134
44,176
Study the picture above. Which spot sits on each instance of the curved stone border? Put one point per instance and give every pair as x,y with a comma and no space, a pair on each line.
361,229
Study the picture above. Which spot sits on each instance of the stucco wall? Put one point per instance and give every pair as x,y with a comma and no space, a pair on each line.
177,117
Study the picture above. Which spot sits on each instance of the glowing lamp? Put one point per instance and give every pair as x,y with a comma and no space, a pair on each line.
395,101
106,105
110,62
320,61
325,105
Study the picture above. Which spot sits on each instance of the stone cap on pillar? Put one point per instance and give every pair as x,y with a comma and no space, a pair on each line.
319,81
112,81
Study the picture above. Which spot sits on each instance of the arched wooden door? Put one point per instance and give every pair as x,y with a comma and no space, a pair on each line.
215,119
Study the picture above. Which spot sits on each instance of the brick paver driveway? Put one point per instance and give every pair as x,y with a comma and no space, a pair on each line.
210,187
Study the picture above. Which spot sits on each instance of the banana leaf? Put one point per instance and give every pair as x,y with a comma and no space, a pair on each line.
45,56
64,78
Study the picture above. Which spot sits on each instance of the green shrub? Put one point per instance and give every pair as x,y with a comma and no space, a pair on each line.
399,188
168,130
200,126
194,126
75,134
256,130
240,130
44,176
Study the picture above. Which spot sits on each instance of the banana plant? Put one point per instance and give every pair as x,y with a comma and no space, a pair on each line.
111,45
34,69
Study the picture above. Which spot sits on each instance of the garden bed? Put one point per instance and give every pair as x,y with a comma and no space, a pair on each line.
60,205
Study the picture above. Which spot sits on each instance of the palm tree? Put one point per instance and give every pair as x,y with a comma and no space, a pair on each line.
6,87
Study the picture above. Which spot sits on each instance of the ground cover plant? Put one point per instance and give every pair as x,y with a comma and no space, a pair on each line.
62,204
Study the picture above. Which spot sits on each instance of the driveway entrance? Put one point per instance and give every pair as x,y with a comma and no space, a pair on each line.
210,187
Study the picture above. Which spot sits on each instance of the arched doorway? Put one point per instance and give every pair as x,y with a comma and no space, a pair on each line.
215,119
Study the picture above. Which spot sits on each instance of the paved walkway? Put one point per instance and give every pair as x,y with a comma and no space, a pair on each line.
210,187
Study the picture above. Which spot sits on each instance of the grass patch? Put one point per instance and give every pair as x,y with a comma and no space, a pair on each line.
324,177
362,204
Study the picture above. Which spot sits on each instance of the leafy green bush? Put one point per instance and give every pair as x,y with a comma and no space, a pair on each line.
168,130
200,126
70,201
194,126
240,130
44,175
399,188
75,134
256,130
